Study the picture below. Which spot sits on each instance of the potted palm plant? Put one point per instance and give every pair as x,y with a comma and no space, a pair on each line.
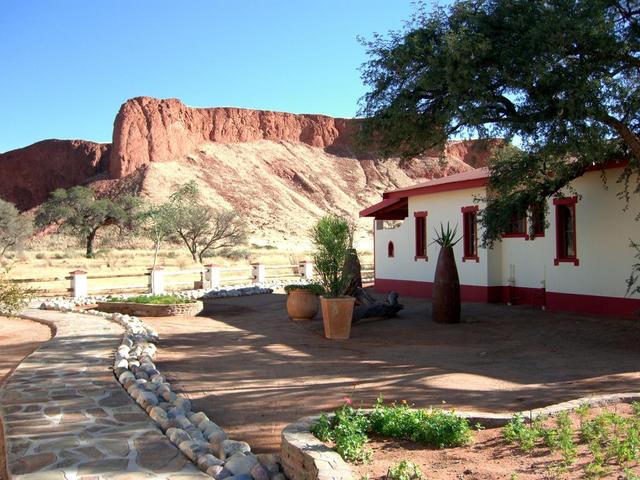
302,300
446,284
331,239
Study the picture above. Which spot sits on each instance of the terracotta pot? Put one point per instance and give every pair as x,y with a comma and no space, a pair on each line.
446,289
336,316
302,304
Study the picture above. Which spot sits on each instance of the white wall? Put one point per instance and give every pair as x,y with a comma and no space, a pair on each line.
441,207
603,231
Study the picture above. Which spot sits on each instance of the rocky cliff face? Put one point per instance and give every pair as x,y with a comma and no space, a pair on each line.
29,174
151,130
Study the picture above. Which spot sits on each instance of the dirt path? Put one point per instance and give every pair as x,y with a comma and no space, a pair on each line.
18,338
253,371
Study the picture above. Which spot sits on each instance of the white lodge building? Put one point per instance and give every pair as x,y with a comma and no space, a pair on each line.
579,263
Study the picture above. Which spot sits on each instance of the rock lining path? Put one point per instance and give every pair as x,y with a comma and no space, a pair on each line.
66,417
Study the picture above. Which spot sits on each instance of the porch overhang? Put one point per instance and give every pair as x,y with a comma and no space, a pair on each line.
388,209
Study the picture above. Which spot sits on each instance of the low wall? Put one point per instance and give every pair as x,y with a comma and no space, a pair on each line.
151,310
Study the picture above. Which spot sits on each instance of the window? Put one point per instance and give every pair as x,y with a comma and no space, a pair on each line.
470,233
421,235
566,230
538,219
517,226
390,250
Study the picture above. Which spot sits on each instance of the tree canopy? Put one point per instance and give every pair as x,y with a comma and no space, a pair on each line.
15,228
80,212
560,78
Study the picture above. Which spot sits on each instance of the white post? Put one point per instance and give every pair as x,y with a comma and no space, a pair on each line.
258,272
157,281
306,270
79,283
212,277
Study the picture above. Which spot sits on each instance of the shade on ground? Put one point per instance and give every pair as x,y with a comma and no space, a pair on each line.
253,370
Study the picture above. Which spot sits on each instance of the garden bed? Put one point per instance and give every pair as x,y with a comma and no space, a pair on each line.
150,309
587,442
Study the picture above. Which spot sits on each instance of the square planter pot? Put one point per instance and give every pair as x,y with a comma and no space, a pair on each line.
336,317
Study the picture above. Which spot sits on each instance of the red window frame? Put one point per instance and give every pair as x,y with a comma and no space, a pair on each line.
421,235
390,249
561,233
470,233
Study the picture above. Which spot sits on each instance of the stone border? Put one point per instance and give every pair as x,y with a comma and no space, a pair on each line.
305,457
201,440
151,310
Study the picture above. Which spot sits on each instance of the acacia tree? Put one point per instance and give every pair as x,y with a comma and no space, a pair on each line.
561,77
15,228
200,227
80,212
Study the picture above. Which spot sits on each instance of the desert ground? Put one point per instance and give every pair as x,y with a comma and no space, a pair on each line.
254,370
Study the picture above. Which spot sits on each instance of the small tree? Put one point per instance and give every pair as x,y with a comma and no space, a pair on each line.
158,224
201,228
15,229
79,212
331,238
633,282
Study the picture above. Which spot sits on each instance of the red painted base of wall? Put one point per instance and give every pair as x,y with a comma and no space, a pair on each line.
537,297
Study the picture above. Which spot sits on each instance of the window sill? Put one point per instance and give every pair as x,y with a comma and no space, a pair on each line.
471,259
558,261
515,235
416,258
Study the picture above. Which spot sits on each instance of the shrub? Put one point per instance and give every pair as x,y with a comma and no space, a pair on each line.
405,470
312,287
348,431
153,299
13,296
434,427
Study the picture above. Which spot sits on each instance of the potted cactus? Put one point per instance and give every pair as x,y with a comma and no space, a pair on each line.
302,300
446,283
331,238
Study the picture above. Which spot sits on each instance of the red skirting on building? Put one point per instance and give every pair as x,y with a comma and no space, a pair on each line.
537,297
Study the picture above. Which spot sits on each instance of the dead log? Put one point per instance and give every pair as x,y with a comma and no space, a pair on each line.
368,307
353,271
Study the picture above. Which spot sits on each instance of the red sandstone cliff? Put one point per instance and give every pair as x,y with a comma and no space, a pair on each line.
29,174
152,130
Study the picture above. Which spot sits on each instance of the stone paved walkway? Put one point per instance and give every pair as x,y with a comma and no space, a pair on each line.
66,417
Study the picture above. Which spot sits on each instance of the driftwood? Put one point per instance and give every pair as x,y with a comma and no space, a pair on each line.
353,271
368,307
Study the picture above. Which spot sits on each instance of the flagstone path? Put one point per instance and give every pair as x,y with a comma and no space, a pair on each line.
66,417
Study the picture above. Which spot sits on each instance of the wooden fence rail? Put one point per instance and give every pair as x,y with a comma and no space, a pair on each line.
160,280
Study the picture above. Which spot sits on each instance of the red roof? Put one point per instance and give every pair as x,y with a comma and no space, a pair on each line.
394,203
473,178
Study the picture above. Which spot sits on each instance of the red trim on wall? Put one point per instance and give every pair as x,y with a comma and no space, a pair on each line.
537,297
594,304
467,251
473,208
442,187
421,235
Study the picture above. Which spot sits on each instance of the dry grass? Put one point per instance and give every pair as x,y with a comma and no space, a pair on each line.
53,257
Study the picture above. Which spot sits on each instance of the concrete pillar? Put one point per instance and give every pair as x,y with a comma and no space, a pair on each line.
157,281
258,272
79,283
306,270
211,277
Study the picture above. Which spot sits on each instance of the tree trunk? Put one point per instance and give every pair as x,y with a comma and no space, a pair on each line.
90,239
367,306
155,255
446,289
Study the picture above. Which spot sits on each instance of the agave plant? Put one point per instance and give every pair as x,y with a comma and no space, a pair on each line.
446,238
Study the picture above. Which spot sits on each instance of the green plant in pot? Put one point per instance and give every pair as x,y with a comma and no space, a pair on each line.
446,283
302,300
331,238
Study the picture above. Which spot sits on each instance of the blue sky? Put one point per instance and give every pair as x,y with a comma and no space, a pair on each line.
66,66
